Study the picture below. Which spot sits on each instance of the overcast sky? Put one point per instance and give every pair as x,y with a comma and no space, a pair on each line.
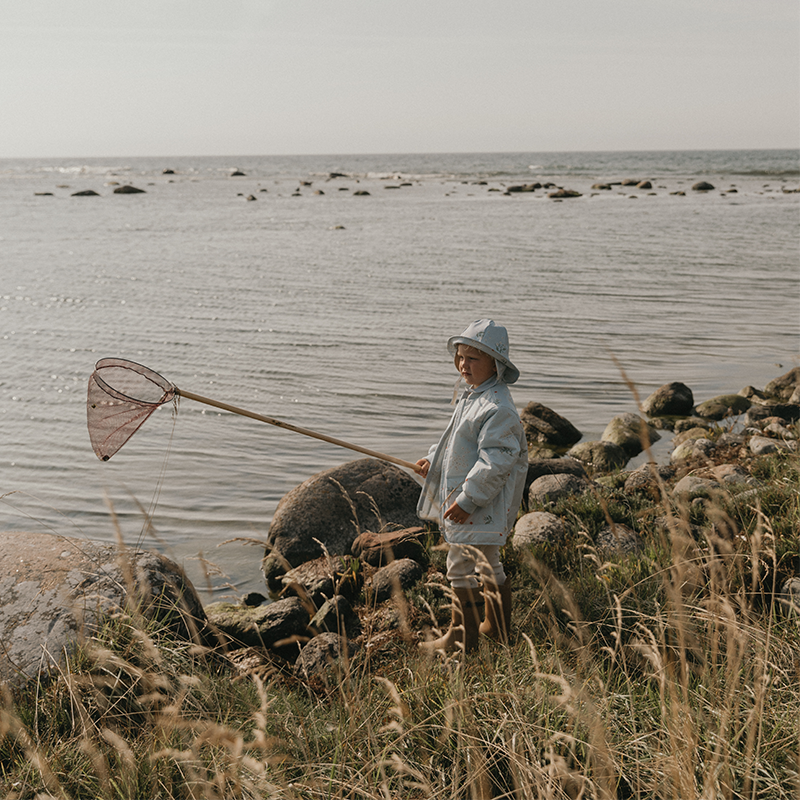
261,77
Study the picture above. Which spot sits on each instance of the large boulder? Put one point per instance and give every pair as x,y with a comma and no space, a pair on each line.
55,591
335,506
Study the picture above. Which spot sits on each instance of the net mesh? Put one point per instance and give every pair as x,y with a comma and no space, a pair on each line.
122,395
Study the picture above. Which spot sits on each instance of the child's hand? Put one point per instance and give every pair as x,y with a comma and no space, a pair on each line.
456,513
424,465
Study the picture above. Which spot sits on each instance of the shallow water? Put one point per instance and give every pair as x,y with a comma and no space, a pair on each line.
331,312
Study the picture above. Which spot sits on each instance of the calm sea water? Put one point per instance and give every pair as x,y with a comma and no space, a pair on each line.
331,311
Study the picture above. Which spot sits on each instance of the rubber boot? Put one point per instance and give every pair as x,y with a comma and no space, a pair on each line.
497,624
464,623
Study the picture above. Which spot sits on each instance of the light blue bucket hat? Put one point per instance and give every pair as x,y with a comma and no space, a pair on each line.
489,338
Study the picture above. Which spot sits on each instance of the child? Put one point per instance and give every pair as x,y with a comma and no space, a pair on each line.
474,479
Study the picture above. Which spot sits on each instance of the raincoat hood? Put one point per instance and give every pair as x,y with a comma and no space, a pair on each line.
489,338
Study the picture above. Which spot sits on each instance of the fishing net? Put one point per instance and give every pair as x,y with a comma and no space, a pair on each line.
122,395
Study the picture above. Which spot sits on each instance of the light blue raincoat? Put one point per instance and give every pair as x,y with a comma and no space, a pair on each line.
480,462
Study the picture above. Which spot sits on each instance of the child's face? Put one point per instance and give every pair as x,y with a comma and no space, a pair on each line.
474,365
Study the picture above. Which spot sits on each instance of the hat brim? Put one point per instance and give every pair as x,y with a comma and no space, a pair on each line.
510,374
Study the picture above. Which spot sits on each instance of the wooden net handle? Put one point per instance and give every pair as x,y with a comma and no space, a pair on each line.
261,418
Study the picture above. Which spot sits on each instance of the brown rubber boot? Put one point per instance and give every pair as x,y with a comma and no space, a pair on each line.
464,624
497,624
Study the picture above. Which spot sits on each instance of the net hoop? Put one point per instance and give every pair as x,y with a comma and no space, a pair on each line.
151,376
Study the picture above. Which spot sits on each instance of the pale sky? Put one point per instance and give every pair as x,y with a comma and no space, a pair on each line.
262,77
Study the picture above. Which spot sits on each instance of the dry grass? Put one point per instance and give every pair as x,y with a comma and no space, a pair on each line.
671,675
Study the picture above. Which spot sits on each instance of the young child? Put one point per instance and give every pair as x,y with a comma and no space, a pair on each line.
474,479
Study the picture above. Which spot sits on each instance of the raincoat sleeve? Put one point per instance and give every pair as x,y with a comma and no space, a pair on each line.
498,449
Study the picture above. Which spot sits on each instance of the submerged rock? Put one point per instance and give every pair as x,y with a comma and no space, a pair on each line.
128,190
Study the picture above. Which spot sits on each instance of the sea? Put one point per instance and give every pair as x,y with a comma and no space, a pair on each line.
321,290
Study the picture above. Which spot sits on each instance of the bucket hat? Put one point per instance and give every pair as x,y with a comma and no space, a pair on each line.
489,338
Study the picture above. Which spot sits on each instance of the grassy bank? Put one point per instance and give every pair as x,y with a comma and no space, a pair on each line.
672,674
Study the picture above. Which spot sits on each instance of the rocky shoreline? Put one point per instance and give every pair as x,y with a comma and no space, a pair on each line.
345,546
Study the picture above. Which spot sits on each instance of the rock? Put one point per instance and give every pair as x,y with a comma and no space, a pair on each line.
318,580
542,425
689,423
128,190
167,171
397,576
729,439
630,182
679,194
779,431
789,598
55,590
631,433
670,400
562,193
644,185
692,486
332,175
254,599
322,655
85,193
733,475
550,488
761,445
702,186
618,539
251,198
274,567
692,449
646,479
538,527
692,433
337,616
334,506
550,466
43,194
237,173
784,386
602,186
757,414
378,549
527,187
726,405
361,193
599,456
262,626
554,466
318,191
